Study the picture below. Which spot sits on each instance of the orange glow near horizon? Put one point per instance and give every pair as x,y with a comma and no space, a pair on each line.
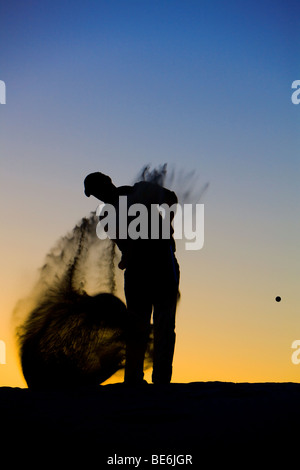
233,346
227,329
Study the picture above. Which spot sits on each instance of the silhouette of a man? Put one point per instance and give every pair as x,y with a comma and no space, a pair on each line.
151,278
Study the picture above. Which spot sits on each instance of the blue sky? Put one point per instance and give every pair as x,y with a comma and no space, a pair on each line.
151,80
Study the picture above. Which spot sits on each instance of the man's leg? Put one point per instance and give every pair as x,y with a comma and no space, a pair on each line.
139,309
165,303
164,339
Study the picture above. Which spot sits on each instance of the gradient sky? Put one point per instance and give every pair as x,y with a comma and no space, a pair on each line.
203,85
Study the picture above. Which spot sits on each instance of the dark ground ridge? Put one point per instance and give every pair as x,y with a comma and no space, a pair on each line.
219,421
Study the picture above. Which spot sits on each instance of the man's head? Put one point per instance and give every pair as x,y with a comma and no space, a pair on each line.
99,185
